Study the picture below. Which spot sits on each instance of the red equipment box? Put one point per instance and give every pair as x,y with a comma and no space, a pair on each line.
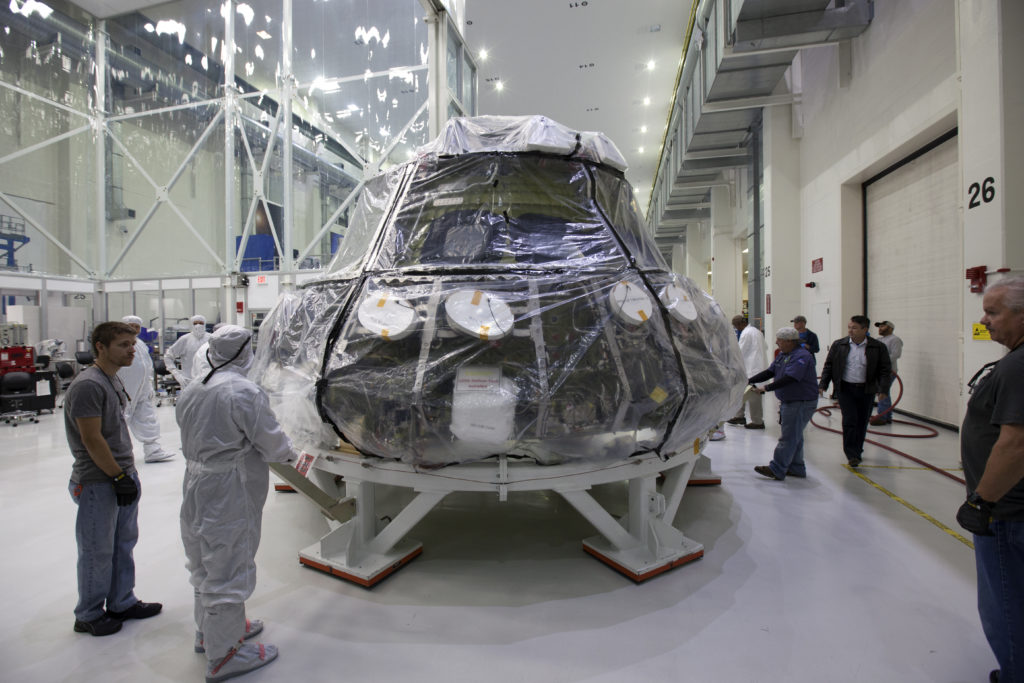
17,359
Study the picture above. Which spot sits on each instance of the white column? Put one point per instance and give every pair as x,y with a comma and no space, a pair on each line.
228,53
786,268
100,132
227,298
678,264
698,254
287,89
726,264
437,74
991,142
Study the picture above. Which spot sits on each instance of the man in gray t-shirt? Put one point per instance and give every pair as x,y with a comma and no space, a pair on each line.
94,394
992,450
105,486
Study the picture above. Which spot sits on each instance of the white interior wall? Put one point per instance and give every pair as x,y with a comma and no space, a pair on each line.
903,93
726,264
991,147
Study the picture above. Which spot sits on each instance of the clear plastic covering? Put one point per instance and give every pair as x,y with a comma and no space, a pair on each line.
505,303
289,351
522,134
498,212
377,194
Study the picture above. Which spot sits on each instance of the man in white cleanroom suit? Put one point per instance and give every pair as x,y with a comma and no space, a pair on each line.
228,435
141,411
184,349
200,365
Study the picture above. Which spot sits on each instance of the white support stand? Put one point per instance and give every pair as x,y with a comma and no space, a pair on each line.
702,474
367,548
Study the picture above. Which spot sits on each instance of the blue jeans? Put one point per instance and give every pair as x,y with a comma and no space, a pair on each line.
789,452
106,534
1000,561
885,403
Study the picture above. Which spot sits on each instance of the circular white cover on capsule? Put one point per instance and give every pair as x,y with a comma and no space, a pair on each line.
387,316
678,302
630,303
478,314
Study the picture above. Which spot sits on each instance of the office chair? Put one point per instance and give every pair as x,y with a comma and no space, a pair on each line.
17,393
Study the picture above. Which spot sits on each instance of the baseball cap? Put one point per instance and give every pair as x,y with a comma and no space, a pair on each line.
799,319
885,322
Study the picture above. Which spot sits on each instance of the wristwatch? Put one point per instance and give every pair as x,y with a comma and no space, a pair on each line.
977,501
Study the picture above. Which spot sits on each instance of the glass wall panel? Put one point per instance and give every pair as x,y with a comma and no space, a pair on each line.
319,188
359,102
119,304
165,55
383,45
351,37
208,306
451,65
177,310
47,191
167,221
468,85
147,307
258,43
47,49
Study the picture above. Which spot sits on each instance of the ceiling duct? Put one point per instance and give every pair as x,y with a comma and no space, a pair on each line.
738,53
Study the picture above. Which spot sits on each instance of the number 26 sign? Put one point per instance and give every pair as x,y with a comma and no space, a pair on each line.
981,193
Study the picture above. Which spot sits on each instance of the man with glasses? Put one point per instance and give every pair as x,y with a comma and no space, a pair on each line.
992,450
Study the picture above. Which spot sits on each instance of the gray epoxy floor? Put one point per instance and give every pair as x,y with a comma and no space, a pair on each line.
831,578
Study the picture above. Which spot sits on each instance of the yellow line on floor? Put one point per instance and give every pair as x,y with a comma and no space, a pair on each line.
904,467
912,508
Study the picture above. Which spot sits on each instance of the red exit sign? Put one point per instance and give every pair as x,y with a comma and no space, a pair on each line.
817,265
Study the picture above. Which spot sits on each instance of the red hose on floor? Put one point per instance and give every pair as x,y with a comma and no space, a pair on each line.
929,433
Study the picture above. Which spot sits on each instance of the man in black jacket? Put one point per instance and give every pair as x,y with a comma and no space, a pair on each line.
859,368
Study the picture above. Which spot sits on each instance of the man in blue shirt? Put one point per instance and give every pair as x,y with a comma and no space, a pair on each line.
808,339
796,386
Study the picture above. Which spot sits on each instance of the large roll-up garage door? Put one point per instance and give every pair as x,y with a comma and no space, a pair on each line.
915,274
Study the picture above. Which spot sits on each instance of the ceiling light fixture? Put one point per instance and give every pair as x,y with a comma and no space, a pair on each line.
499,86
746,250
643,129
647,101
483,54
650,65
641,150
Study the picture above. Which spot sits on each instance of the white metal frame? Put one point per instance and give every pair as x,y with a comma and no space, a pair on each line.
368,547
97,121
